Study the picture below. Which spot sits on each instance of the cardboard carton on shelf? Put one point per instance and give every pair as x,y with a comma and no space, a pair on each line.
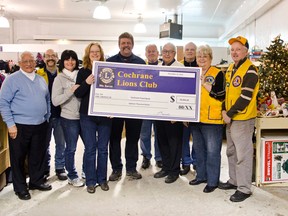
274,154
2,180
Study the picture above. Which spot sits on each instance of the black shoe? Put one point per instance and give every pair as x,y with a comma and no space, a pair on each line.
61,174
185,170
134,174
159,164
115,176
197,182
23,195
209,189
91,189
104,186
41,187
160,174
171,178
145,163
239,196
226,186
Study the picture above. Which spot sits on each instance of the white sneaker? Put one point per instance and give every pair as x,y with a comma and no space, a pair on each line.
83,176
76,182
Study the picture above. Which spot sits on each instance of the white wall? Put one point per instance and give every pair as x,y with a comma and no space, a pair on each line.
262,31
12,51
38,35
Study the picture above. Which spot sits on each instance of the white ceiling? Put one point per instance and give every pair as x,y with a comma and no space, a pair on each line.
218,14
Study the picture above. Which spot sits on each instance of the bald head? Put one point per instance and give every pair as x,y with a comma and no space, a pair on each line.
151,53
50,59
190,52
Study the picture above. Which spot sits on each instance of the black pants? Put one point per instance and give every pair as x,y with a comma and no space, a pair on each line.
133,128
170,138
30,142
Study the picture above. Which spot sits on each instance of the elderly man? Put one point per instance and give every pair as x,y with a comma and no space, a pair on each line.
25,108
239,113
169,133
151,53
132,126
190,55
188,156
49,72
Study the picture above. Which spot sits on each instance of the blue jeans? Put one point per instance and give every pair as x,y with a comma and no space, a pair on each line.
188,156
72,130
207,141
96,135
55,125
145,140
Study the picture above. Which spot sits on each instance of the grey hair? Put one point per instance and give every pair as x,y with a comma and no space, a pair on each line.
205,50
172,45
25,53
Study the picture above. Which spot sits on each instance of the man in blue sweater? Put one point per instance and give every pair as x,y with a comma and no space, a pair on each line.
25,108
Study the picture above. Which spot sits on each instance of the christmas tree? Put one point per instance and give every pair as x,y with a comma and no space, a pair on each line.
273,71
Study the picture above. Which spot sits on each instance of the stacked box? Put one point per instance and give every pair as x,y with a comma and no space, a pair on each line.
274,158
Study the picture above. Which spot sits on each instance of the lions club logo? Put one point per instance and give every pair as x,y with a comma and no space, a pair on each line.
106,77
236,81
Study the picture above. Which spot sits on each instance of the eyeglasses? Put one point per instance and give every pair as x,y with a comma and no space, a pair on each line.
96,51
50,56
204,57
151,51
165,52
28,62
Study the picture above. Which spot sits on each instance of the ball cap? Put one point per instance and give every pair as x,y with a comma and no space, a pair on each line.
240,39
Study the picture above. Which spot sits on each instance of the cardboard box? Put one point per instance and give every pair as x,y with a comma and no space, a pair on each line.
3,182
274,159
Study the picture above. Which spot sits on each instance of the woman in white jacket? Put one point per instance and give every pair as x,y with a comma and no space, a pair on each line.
63,95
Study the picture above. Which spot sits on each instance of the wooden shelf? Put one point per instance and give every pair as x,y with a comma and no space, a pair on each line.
4,151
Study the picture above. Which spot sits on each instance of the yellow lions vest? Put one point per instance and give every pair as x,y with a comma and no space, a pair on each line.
233,92
42,73
210,108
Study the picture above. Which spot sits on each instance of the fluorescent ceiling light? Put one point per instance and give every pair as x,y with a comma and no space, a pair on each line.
102,12
4,23
140,27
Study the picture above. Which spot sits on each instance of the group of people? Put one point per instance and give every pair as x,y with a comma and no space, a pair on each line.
32,108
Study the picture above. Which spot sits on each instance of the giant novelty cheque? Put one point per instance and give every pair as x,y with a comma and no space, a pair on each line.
145,92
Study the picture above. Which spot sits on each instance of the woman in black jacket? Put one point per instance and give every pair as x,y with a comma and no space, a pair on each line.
96,129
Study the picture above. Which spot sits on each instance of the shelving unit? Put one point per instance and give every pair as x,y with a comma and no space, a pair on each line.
4,153
267,125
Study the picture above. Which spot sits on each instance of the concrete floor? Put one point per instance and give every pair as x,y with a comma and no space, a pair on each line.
148,196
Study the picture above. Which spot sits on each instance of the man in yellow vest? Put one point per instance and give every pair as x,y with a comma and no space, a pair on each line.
239,112
49,72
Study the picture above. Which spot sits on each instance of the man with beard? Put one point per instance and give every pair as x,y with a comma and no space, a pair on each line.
49,72
132,126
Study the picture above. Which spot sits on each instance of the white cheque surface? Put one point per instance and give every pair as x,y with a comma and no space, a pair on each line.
162,106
